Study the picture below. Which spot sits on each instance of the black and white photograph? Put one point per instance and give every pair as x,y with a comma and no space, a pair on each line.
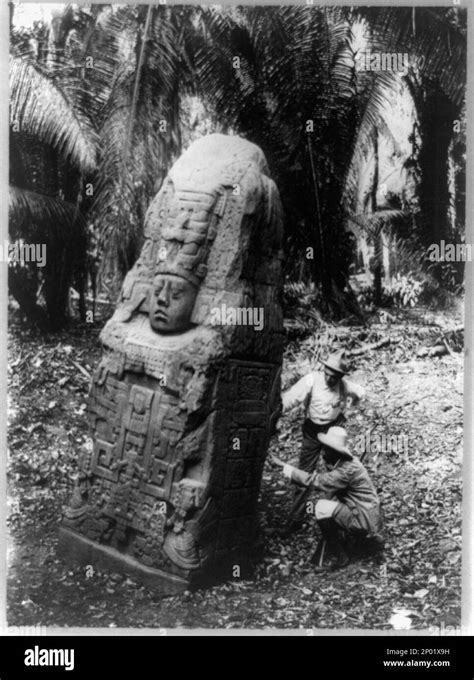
239,278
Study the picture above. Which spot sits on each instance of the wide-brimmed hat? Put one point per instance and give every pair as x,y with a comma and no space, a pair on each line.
336,362
336,439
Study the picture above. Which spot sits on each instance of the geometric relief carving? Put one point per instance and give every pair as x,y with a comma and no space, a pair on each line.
180,426
251,392
160,478
102,459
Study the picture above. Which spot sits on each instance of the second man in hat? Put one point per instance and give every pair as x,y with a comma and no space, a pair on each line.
325,394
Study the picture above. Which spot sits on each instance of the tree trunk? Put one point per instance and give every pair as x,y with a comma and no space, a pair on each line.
386,245
315,226
58,273
436,114
378,265
26,298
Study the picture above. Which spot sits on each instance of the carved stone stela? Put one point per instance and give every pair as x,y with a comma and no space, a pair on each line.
184,400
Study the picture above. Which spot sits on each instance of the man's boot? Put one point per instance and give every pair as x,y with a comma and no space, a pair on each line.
333,545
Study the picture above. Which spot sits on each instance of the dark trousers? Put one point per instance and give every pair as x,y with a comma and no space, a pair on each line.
310,452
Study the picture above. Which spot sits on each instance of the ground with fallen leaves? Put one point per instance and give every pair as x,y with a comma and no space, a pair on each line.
410,426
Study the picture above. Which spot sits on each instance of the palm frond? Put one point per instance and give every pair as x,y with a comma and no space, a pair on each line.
373,103
137,149
434,37
40,109
32,214
372,223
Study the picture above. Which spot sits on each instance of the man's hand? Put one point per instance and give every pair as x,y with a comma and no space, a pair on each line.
278,427
277,461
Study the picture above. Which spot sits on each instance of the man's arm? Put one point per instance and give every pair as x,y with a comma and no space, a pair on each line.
329,482
334,480
298,393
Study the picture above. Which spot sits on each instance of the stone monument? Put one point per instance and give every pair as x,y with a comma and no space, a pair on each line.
186,396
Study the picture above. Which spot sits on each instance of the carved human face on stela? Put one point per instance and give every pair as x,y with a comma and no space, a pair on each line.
172,303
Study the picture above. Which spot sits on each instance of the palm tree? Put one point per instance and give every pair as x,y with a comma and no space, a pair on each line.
132,95
435,41
116,71
284,78
270,71
50,149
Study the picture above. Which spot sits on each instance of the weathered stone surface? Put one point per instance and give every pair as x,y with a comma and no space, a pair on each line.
182,405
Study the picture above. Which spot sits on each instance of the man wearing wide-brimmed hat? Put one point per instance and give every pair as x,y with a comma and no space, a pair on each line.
350,506
325,394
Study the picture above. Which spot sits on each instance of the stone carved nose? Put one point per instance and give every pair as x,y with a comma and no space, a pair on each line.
164,296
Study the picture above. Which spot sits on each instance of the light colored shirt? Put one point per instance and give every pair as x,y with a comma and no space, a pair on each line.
325,403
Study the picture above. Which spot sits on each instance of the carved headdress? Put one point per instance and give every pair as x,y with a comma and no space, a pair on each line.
186,239
190,226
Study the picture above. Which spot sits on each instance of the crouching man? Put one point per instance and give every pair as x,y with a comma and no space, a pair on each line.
325,395
350,508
